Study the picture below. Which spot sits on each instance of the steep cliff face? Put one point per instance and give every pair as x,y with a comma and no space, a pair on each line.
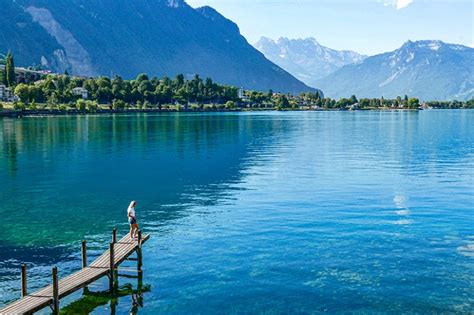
126,37
28,40
73,56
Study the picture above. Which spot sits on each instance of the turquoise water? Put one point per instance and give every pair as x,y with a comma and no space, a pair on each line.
302,212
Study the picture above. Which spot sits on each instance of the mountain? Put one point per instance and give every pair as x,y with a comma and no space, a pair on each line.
127,37
428,69
306,58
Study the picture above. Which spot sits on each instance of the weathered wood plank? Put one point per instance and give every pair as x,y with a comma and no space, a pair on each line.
69,284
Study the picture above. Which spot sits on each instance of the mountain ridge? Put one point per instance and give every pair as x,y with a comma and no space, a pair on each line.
306,58
428,69
124,37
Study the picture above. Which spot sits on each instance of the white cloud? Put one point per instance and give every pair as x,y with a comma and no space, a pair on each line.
398,4
403,4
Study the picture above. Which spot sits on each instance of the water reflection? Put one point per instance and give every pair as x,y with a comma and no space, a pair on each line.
293,208
90,301
70,178
9,148
91,166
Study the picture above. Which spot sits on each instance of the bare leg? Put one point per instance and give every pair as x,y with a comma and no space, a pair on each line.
131,230
136,230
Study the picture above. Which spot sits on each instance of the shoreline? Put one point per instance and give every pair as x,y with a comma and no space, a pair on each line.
73,112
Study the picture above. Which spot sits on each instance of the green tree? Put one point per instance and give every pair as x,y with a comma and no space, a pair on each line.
33,105
36,93
319,102
23,92
181,95
343,103
3,77
413,103
269,95
283,102
103,93
398,101
10,75
19,106
118,105
145,88
230,105
364,102
92,106
81,105
405,100
53,100
470,103
118,91
141,77
318,95
382,102
147,104
179,81
353,100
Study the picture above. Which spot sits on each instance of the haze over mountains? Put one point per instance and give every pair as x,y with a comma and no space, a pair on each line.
306,59
127,37
430,70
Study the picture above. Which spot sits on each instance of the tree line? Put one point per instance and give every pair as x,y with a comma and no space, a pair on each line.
314,99
56,90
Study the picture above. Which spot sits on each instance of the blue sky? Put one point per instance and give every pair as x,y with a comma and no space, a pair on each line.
366,26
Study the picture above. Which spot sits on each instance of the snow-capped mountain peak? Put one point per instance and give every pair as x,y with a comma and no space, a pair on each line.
428,69
306,58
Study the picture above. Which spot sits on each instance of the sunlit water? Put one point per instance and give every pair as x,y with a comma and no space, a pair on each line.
249,213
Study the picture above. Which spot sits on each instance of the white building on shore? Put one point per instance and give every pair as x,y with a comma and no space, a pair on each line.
80,91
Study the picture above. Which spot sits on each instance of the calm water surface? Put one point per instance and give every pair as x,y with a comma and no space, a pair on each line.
249,213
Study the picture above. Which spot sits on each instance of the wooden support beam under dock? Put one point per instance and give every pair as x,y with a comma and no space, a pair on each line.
105,265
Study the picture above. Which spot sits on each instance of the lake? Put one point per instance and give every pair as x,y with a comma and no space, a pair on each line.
273,212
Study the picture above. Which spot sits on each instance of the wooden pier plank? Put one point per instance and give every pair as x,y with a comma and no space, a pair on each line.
99,268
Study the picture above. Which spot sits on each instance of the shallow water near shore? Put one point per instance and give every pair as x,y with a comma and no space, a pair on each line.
273,212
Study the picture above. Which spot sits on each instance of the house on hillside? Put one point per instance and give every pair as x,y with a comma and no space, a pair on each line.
80,91
355,106
2,91
6,94
242,95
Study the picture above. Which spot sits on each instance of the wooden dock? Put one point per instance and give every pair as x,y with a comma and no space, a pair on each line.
106,265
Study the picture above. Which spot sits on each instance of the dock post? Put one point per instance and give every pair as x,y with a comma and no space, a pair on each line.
55,291
112,268
139,260
24,291
139,241
84,254
113,306
139,252
114,235
84,263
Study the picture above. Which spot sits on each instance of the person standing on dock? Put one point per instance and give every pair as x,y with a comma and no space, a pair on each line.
132,219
